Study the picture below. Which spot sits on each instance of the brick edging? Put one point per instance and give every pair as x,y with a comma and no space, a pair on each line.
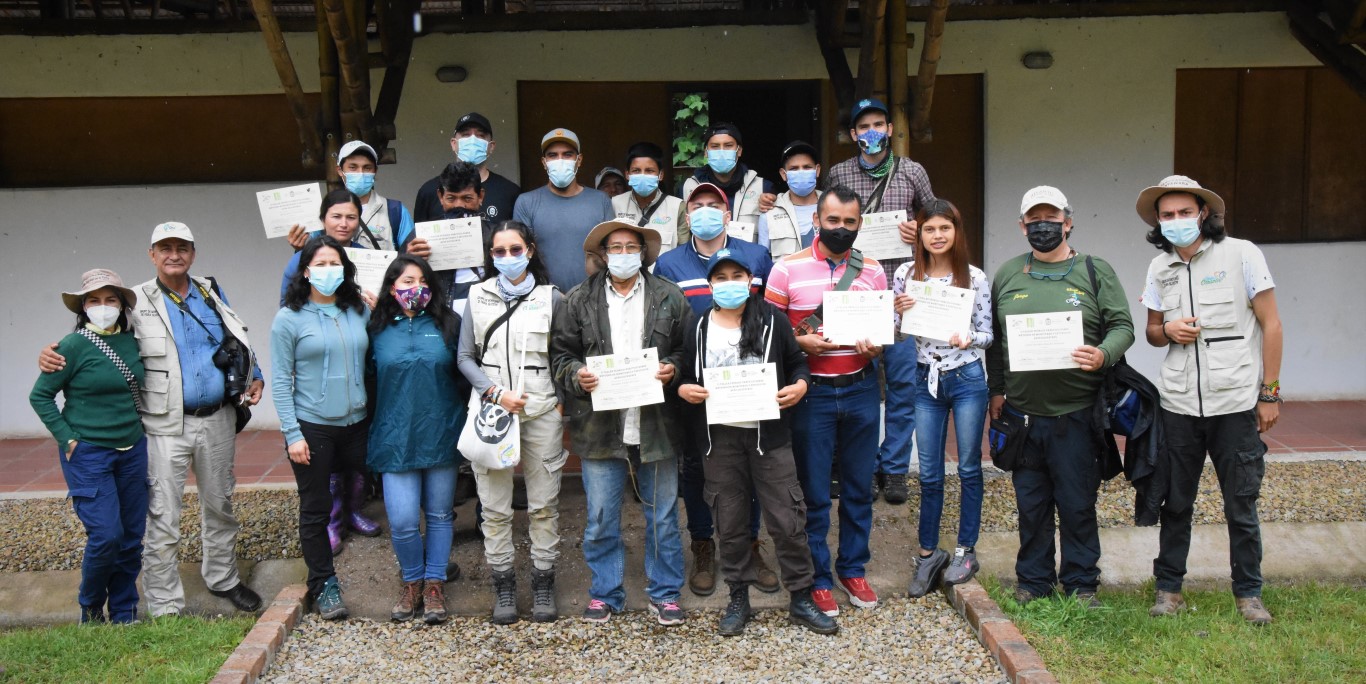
258,648
1019,660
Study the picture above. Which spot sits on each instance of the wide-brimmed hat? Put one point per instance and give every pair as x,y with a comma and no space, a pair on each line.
95,279
1147,200
593,243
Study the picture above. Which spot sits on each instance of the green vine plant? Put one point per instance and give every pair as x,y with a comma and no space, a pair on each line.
691,118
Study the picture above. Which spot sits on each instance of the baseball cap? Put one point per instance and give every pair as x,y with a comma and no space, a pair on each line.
707,188
867,104
605,172
797,147
171,229
474,119
563,135
723,256
356,147
722,128
1044,194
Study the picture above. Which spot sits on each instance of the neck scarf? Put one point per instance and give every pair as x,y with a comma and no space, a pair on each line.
881,169
510,291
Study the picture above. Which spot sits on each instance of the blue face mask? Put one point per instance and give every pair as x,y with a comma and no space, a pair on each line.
512,266
706,222
801,181
360,183
472,150
325,279
561,172
871,140
730,294
643,184
1182,232
623,266
722,161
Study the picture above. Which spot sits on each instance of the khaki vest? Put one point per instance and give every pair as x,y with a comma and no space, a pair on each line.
163,404
376,215
533,318
666,218
746,207
784,235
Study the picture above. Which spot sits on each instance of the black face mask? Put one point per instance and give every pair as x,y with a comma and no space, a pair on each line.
1044,236
838,240
459,213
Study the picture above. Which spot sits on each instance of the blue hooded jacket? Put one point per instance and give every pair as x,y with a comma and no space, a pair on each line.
418,410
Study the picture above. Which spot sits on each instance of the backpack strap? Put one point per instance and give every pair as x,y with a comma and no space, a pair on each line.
851,273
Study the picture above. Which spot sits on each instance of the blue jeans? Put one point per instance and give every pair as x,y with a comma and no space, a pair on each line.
899,366
410,496
962,390
605,482
108,489
824,418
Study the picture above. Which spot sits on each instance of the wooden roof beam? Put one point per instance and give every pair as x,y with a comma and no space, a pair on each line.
929,64
304,116
1347,60
829,29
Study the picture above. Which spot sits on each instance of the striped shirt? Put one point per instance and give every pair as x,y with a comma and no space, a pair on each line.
907,190
797,285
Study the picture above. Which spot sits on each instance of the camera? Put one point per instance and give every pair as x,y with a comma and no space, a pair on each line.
232,358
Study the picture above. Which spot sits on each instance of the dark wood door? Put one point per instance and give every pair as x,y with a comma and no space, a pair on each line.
607,117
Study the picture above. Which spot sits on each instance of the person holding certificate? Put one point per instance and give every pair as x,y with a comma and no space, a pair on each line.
619,313
1039,374
742,455
950,377
504,341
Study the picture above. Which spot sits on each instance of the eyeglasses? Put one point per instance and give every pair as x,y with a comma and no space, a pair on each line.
501,252
1029,268
629,248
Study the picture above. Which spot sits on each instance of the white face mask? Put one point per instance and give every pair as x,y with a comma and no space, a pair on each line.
103,316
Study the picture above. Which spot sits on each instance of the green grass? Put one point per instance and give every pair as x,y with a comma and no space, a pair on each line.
1319,635
171,649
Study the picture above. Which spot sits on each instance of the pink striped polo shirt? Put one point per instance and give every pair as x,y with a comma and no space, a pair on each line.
797,285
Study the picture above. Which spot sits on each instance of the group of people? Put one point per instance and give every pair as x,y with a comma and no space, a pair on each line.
383,384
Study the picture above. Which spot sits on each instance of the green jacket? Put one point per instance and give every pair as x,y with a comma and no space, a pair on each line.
582,330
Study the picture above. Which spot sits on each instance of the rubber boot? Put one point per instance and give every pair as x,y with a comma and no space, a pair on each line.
334,521
355,501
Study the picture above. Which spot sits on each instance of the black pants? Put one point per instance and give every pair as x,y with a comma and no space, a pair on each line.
1062,474
1238,454
332,449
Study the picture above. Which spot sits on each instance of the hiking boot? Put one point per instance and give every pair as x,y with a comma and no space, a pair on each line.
452,572
355,501
768,580
1167,603
825,602
329,601
667,613
597,611
543,596
409,601
1087,599
860,594
434,603
803,610
895,490
334,518
1253,611
1024,596
927,571
504,597
737,613
962,567
702,581
879,484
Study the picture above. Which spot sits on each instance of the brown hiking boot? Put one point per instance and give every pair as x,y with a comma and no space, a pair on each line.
1167,603
1253,611
1024,596
768,580
409,601
702,581
434,603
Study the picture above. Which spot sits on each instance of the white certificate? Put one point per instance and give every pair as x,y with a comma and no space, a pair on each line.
852,316
939,311
739,394
1043,341
626,380
880,236
455,243
743,230
284,207
370,266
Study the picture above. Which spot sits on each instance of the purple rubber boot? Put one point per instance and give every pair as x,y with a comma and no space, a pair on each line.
355,501
334,521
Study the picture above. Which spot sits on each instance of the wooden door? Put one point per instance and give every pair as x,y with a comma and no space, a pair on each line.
607,117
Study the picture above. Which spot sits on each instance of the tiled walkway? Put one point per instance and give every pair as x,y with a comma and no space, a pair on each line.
29,466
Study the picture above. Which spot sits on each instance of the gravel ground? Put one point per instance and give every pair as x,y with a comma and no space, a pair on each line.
904,640
44,534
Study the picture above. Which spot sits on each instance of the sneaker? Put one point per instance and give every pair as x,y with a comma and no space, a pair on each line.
329,601
825,601
737,613
1253,611
860,594
702,581
963,566
597,611
667,613
434,603
894,489
767,579
802,610
1167,603
927,572
408,603
93,615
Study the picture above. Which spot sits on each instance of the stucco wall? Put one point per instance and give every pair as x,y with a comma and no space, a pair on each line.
1098,124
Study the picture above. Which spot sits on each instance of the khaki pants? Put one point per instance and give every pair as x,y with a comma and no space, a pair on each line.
543,456
208,445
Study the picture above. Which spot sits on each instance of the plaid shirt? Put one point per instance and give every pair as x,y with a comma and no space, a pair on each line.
908,189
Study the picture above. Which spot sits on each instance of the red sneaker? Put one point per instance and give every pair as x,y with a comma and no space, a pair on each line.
860,594
825,602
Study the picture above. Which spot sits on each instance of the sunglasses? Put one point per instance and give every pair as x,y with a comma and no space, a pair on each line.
501,252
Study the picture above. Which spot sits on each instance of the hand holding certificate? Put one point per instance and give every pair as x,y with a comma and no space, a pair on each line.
1043,341
880,236
939,311
281,209
626,380
854,316
455,243
740,394
370,267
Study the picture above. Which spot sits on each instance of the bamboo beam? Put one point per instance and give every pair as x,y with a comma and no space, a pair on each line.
396,31
929,63
829,28
354,93
289,80
330,113
871,60
1316,36
898,77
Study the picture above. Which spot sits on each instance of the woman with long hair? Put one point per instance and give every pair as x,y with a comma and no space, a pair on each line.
318,345
417,417
504,344
951,378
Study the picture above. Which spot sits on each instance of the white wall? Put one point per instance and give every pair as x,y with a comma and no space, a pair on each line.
1098,124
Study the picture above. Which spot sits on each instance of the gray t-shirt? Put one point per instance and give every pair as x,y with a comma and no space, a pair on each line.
561,224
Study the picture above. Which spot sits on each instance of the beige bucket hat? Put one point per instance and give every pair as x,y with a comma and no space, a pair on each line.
1147,200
